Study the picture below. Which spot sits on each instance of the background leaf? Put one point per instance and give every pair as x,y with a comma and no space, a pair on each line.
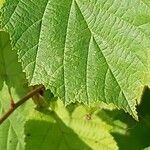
147,148
128,133
11,79
58,130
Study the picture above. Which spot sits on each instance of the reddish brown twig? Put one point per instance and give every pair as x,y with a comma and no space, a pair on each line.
14,106
12,103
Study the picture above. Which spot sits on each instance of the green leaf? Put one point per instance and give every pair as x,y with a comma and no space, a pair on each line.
64,132
128,133
83,50
1,3
147,148
11,79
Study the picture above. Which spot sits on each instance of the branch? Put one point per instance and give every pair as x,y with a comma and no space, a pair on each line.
14,106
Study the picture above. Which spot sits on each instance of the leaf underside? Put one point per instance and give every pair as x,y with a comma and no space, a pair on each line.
83,50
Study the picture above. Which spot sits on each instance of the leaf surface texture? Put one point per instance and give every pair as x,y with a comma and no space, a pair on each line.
83,50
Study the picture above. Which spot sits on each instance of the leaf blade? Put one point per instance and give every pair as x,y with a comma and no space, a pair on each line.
84,51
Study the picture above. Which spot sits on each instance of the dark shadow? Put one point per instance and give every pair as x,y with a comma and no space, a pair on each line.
70,108
51,134
144,107
136,135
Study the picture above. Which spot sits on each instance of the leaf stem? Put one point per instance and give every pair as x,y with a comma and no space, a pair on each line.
20,102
